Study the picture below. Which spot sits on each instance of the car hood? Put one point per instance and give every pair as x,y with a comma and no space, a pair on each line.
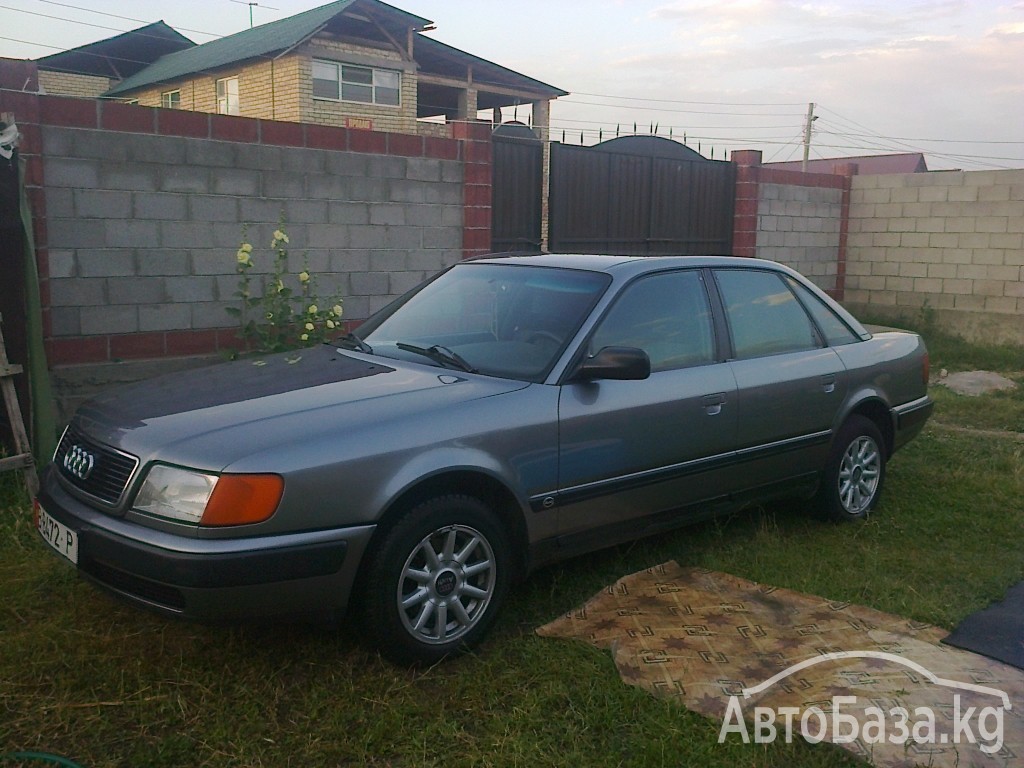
214,416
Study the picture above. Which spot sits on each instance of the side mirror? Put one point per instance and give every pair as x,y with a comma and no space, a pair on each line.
614,363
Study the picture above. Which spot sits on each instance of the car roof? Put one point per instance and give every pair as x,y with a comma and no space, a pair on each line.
620,264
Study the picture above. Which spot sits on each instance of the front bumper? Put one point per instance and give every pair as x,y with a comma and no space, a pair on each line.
210,579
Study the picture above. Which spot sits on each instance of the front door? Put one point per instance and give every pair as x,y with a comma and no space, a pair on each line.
630,448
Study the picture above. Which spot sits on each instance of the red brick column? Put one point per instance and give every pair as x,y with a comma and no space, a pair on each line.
748,176
476,194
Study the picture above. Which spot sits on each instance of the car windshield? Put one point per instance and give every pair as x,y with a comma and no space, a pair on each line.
507,320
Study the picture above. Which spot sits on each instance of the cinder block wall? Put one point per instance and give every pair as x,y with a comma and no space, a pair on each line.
794,218
138,213
946,245
143,229
800,226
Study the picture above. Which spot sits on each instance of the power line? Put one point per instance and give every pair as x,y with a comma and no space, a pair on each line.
124,18
69,21
570,100
680,101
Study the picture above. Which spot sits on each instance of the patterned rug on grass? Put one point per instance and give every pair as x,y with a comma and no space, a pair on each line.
755,658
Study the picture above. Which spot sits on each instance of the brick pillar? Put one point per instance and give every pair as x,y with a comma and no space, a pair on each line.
475,138
745,223
467,104
847,171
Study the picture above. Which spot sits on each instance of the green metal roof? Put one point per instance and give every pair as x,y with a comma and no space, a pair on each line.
119,56
249,44
432,54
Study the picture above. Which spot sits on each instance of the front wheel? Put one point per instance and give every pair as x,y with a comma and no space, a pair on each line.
437,580
855,471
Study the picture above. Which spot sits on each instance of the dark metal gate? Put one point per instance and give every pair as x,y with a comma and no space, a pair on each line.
639,196
517,189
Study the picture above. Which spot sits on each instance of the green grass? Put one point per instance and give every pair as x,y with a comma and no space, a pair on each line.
104,684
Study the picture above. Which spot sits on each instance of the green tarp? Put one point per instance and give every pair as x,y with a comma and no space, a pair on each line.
43,429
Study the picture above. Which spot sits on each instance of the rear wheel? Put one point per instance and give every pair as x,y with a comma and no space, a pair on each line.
855,471
437,580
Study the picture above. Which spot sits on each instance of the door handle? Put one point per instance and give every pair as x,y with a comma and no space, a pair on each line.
713,403
828,383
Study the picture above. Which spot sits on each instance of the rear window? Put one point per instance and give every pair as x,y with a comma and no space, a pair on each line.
764,315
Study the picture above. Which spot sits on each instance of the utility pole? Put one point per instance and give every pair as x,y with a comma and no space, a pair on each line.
252,5
807,135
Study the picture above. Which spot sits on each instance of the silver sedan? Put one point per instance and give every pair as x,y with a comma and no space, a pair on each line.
510,412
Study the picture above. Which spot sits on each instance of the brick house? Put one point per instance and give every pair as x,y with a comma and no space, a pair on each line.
350,63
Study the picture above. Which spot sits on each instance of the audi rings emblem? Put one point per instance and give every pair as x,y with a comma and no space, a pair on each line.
79,462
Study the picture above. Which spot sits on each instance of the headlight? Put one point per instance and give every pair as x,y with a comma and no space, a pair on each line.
199,498
177,494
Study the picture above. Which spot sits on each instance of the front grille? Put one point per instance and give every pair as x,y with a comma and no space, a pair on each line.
93,469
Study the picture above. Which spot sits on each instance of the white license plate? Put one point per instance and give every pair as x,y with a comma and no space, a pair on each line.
57,535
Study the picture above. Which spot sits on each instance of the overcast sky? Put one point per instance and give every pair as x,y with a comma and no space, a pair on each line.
945,77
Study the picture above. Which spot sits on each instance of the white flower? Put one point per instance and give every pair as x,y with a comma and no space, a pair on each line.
246,247
304,337
312,309
310,326
304,276
336,310
279,237
330,323
243,258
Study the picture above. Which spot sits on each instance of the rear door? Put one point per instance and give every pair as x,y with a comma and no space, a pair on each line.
789,384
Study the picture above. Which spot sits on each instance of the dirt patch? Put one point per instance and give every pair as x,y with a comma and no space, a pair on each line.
975,383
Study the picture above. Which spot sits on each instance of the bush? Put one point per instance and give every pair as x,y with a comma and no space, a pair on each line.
277,317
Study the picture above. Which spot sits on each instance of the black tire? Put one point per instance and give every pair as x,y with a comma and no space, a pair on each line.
855,472
437,580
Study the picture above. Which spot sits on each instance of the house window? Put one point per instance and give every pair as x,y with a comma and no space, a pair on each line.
347,82
170,99
227,96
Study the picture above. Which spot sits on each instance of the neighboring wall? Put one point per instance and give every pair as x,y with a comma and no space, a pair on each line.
944,246
138,214
143,229
67,84
793,218
799,226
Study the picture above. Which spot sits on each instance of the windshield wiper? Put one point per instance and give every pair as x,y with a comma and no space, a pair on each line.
439,354
351,341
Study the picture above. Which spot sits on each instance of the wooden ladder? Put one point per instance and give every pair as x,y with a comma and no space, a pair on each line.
22,458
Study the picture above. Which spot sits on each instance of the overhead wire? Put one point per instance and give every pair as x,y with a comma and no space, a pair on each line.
859,137
124,18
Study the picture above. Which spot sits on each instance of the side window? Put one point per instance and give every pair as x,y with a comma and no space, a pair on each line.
832,326
666,315
764,316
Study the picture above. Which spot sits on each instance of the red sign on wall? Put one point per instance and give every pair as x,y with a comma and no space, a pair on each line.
362,123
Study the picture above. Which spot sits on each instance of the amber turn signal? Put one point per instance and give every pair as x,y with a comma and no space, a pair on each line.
243,499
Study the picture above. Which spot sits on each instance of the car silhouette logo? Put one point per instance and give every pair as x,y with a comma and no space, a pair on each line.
748,692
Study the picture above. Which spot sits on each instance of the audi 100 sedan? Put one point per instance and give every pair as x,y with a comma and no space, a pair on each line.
507,413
